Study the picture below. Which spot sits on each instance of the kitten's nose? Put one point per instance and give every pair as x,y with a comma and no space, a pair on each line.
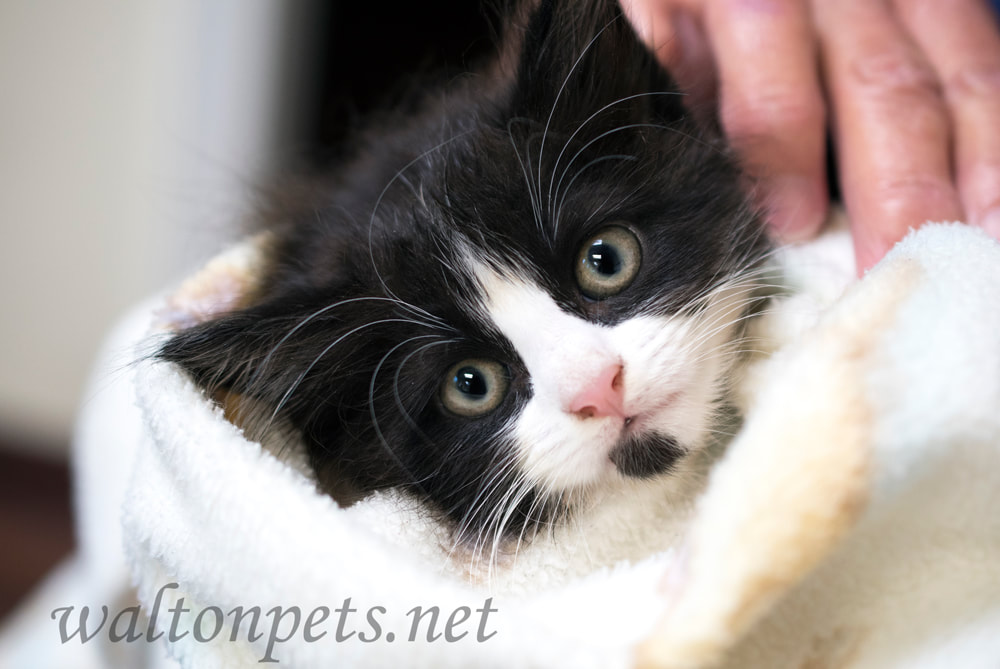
603,396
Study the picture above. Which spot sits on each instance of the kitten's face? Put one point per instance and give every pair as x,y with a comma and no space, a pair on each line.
533,288
625,397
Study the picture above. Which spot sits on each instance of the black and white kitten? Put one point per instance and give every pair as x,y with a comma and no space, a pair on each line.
531,289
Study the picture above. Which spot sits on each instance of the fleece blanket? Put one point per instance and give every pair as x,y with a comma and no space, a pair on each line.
851,522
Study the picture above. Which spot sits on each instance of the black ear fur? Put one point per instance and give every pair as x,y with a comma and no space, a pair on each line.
280,355
581,55
260,350
223,354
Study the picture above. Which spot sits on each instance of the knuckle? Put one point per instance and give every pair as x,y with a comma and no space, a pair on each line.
894,75
980,82
903,192
769,110
768,7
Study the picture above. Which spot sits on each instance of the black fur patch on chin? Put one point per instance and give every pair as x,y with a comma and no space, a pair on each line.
646,456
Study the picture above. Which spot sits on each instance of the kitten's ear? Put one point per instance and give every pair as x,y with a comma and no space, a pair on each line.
281,351
232,353
580,55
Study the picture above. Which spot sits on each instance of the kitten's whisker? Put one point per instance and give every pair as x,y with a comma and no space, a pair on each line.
504,467
508,490
732,347
371,402
378,203
526,170
581,126
547,501
562,88
753,291
555,222
510,506
302,375
582,149
722,320
395,385
750,278
267,358
601,207
486,527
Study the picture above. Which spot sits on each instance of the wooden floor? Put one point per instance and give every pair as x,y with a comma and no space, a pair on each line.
36,527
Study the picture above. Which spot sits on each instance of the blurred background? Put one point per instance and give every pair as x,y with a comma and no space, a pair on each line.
133,138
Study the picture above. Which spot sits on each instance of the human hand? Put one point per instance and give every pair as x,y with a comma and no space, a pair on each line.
909,89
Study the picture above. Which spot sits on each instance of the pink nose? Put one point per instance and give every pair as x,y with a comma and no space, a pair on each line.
604,396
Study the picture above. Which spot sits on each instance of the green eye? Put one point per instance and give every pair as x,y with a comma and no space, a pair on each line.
474,387
608,262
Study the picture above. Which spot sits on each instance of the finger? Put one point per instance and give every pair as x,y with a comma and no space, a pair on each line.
962,41
890,125
771,105
672,29
694,69
653,21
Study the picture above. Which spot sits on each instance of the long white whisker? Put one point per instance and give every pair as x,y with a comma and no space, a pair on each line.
590,118
371,404
395,382
562,88
525,169
582,149
555,223
317,313
378,203
302,375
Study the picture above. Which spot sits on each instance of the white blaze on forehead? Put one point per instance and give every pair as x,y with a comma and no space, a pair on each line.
562,352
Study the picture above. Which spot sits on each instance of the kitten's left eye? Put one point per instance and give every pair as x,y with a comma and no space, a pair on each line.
474,387
608,262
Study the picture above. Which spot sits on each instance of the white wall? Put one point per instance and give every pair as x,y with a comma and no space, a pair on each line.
130,134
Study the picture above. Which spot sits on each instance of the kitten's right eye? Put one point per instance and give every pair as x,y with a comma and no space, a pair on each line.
608,262
474,387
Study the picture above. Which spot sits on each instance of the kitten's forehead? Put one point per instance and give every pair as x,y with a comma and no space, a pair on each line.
533,322
515,304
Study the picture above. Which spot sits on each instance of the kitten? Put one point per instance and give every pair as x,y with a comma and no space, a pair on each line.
532,288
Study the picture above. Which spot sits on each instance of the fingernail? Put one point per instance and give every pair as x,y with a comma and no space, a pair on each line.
796,207
990,222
